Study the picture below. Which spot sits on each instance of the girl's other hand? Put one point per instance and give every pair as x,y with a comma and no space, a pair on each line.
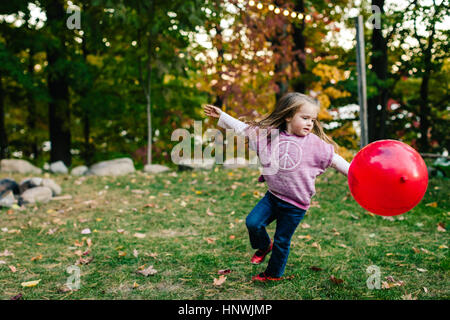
212,111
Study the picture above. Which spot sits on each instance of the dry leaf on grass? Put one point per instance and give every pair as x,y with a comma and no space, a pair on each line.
210,240
17,297
432,204
12,268
305,226
209,213
30,284
224,271
314,268
86,231
316,245
441,227
220,281
84,261
336,280
146,272
139,235
38,257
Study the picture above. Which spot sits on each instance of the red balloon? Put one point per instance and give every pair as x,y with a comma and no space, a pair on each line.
388,177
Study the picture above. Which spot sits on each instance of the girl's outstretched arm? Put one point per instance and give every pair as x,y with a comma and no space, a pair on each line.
225,120
340,164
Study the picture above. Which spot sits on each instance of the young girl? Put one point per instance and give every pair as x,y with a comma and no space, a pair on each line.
302,156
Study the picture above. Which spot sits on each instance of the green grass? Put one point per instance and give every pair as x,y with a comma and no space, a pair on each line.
172,213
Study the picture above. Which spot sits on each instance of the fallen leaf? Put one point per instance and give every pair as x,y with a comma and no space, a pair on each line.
441,227
416,250
86,231
17,297
139,235
224,271
232,237
122,253
220,281
314,268
336,280
316,245
30,284
12,268
422,270
121,231
6,253
135,285
84,260
135,253
149,271
210,240
431,204
408,297
38,257
307,237
443,246
89,242
425,289
209,213
305,226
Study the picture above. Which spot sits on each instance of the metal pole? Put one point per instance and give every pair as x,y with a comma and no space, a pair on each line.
361,68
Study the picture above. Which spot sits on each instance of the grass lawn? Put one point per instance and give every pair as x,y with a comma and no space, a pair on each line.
189,225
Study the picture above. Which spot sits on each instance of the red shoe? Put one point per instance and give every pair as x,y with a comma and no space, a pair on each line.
259,255
262,277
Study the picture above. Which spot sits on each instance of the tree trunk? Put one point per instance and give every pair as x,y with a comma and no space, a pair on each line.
424,111
31,119
300,45
378,60
59,111
149,103
4,153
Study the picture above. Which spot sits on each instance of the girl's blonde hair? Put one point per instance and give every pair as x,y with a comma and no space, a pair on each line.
287,107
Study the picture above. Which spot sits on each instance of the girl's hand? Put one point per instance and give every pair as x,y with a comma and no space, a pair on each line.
212,111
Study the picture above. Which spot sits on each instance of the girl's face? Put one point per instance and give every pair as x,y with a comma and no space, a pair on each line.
302,123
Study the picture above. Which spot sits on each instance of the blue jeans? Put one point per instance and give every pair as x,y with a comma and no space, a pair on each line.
288,217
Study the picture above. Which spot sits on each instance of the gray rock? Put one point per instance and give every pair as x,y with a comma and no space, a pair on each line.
58,167
29,183
114,167
79,171
7,199
155,168
33,195
49,183
18,165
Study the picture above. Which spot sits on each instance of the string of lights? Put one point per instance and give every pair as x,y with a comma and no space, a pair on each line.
277,10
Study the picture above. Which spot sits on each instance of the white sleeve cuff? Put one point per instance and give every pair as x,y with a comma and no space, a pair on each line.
340,164
228,122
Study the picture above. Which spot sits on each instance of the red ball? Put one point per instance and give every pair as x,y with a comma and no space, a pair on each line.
388,177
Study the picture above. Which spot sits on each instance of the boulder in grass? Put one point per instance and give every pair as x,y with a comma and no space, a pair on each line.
155,168
18,165
33,195
58,167
79,171
29,183
49,183
114,167
7,199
